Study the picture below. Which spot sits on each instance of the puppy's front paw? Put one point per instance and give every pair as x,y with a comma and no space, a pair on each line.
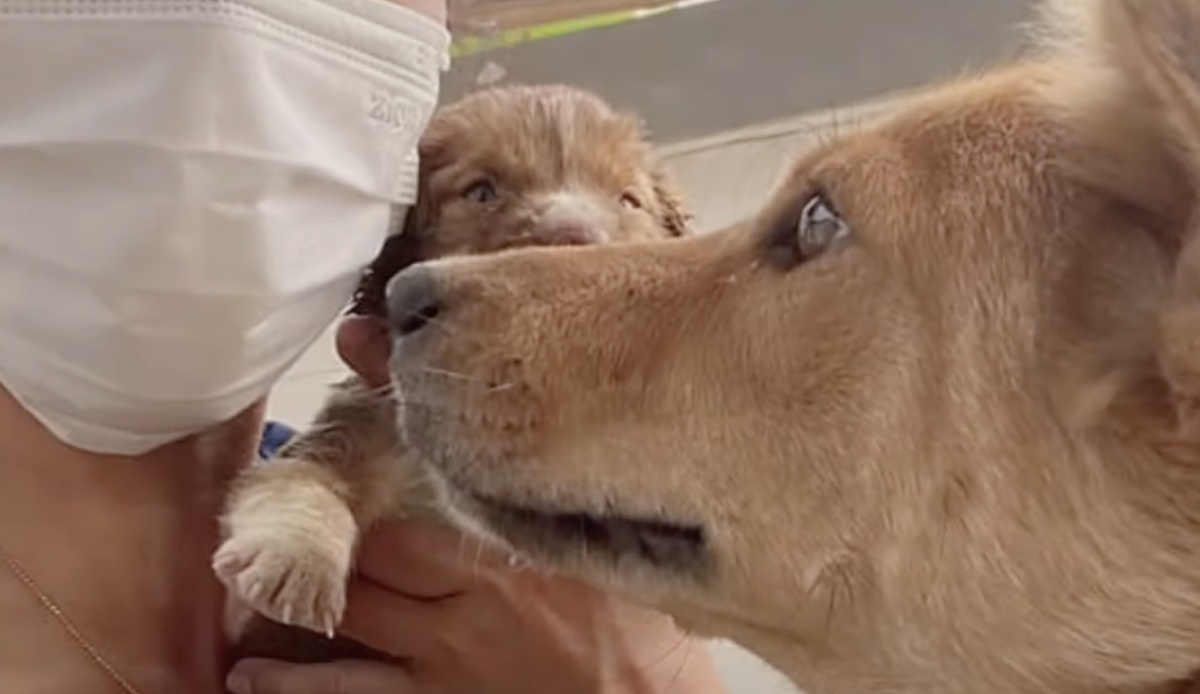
288,555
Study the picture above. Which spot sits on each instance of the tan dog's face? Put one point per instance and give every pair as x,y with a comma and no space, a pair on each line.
880,431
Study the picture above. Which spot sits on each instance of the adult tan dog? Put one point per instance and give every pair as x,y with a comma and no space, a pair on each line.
926,423
501,168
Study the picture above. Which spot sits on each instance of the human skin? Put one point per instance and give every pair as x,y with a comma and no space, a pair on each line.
119,547
470,622
434,9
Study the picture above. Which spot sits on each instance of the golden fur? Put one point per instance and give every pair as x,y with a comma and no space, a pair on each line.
925,423
562,167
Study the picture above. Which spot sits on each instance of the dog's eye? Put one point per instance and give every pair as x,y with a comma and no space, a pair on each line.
631,201
797,238
819,227
481,191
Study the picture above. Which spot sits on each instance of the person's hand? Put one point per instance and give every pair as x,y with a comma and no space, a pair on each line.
466,622
434,9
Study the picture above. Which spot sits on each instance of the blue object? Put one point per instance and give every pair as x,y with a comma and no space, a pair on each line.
274,436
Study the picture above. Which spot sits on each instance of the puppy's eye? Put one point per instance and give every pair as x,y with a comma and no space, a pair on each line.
631,201
819,227
481,191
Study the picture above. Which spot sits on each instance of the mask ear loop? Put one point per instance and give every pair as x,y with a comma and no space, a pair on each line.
52,607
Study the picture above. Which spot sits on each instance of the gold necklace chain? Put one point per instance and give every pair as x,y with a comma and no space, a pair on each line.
61,617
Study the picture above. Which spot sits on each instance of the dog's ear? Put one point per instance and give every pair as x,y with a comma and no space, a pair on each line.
1155,46
673,214
1123,79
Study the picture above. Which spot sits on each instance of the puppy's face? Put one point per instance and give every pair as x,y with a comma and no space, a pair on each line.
521,166
530,166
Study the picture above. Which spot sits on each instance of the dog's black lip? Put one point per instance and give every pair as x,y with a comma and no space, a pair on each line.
676,547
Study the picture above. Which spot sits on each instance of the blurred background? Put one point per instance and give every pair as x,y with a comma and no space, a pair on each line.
732,90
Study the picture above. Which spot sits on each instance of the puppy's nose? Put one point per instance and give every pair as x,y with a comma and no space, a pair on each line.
570,235
413,300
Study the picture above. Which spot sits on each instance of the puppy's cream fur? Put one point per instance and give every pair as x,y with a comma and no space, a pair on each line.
500,169
957,450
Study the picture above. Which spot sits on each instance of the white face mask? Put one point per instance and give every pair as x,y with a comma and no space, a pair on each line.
189,191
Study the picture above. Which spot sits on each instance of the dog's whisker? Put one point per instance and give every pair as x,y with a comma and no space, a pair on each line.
467,378
685,642
445,372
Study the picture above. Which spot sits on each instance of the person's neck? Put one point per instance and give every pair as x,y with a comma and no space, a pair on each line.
121,545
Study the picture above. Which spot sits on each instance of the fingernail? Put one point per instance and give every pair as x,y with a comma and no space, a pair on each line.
238,683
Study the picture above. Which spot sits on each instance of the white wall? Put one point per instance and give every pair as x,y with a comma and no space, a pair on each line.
726,177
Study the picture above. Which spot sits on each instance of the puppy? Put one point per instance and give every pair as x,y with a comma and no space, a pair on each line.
503,168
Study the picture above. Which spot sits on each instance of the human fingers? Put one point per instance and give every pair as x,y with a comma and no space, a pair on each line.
363,343
434,9
424,560
261,676
394,623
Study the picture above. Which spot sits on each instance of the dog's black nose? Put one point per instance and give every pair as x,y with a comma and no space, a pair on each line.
412,300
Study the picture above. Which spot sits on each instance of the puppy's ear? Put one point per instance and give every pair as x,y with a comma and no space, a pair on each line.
405,246
399,251
673,214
